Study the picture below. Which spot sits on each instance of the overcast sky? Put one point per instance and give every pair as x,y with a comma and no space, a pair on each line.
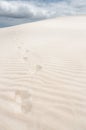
14,12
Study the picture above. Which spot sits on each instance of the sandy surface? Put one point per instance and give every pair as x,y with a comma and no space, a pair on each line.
43,75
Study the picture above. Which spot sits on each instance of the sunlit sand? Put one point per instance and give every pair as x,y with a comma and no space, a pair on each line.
43,75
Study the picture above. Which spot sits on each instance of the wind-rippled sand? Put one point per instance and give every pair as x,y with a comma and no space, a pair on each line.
43,75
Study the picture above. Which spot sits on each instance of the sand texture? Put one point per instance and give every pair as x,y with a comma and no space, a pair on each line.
43,75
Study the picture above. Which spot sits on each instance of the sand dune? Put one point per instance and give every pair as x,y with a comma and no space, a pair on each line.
43,75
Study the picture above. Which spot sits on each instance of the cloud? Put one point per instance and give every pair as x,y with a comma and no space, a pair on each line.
32,10
21,9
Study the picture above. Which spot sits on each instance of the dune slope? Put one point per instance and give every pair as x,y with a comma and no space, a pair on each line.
43,75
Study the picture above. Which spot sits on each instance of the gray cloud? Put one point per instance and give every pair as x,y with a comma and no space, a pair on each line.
20,11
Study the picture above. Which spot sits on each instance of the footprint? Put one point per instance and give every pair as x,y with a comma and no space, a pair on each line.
27,51
19,47
25,58
22,42
23,98
26,106
38,67
23,93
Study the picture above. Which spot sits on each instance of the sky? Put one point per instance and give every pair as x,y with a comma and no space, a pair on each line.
13,12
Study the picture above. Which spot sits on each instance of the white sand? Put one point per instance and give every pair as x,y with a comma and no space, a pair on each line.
43,75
